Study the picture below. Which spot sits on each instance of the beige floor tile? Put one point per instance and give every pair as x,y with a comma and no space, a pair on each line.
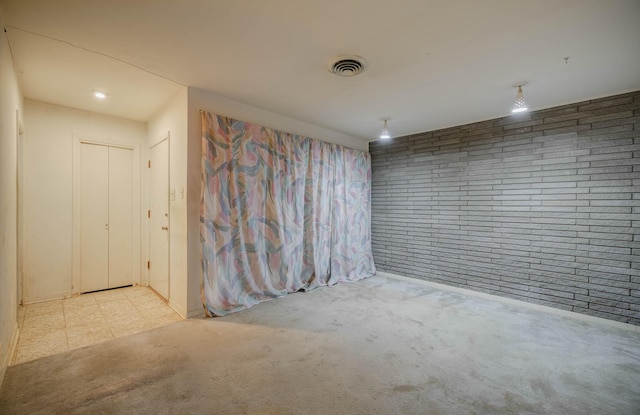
78,310
109,296
99,329
60,325
157,312
120,320
163,320
47,307
83,300
44,322
128,321
24,354
146,303
85,336
136,292
49,335
33,352
87,319
131,327
41,343
118,309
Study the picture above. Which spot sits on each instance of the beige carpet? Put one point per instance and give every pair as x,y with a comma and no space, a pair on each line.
374,347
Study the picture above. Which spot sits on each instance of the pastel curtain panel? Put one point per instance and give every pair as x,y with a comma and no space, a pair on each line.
280,213
351,226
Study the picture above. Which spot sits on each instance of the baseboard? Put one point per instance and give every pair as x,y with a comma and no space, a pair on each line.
177,308
511,301
47,297
10,355
199,313
14,345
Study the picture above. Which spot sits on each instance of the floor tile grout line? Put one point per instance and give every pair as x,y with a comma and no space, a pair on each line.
90,295
104,319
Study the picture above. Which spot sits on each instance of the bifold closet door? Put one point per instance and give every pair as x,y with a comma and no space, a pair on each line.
94,242
106,245
120,217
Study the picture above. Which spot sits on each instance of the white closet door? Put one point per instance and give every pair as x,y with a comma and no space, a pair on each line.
94,239
106,227
120,217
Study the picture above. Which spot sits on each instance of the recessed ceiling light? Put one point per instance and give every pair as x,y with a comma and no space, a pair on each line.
99,94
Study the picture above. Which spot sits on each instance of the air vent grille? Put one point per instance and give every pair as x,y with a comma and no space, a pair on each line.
348,66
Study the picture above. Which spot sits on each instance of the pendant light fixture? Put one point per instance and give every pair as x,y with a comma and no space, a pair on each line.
519,105
384,133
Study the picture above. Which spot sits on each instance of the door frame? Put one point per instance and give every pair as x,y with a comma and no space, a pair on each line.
19,207
77,203
164,138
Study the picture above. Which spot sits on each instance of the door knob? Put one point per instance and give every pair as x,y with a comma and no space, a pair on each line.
165,228
106,226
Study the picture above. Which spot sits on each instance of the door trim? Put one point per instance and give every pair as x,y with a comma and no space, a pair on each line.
19,209
76,206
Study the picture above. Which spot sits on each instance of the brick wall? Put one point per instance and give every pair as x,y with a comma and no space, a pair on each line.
542,207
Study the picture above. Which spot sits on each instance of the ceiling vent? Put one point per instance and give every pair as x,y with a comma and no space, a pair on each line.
348,65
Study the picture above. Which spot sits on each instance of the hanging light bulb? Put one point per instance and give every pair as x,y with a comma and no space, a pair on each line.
384,133
519,105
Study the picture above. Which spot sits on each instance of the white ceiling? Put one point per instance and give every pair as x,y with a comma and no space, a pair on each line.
432,63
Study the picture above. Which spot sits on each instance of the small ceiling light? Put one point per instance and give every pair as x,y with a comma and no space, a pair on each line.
99,94
519,105
384,133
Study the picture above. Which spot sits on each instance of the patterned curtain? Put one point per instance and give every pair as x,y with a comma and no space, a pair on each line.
351,225
280,213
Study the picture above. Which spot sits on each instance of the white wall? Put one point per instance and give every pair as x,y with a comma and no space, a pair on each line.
206,101
172,119
48,183
10,107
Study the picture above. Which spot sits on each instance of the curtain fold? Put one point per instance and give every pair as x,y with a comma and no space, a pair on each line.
351,255
279,213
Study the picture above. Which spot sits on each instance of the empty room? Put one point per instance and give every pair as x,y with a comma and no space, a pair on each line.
320,207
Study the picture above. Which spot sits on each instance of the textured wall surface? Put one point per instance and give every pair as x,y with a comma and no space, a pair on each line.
542,207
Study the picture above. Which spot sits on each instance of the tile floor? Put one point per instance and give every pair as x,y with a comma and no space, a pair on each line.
56,326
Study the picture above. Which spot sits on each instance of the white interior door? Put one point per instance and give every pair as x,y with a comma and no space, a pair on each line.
159,218
120,217
94,211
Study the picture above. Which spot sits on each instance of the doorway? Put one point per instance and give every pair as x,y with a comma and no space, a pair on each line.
159,218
